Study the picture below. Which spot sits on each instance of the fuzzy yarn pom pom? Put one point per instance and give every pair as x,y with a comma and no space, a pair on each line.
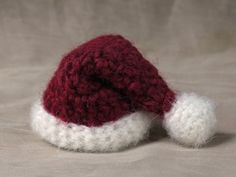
191,120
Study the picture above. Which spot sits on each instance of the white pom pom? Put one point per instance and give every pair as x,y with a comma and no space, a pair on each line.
191,120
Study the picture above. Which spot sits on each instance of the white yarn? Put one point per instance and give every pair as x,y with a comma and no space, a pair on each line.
191,120
112,136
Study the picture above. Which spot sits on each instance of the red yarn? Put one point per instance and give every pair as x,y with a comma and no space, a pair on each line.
104,79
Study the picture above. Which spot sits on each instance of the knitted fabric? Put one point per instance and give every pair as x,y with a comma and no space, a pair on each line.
103,80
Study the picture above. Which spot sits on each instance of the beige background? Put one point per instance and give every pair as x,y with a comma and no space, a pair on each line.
192,42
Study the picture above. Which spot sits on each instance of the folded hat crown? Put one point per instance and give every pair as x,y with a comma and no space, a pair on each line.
104,79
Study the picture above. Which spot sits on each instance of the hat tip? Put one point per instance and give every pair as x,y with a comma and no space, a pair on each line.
191,120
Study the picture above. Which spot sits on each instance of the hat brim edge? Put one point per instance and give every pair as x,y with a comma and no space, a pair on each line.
112,136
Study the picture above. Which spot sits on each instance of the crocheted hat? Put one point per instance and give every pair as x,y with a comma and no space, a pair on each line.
104,96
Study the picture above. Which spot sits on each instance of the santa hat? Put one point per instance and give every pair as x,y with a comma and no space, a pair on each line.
104,96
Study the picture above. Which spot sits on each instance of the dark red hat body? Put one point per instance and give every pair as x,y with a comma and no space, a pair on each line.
104,79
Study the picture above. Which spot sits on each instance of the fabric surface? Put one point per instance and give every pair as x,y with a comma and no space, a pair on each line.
191,42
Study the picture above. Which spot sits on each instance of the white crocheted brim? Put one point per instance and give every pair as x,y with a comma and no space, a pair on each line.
112,136
191,120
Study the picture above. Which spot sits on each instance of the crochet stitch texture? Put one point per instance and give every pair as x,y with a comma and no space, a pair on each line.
103,80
